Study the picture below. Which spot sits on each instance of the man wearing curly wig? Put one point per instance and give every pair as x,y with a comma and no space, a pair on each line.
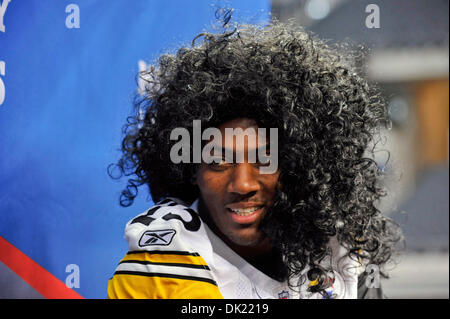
227,229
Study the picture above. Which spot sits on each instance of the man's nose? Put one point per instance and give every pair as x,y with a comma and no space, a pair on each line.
244,179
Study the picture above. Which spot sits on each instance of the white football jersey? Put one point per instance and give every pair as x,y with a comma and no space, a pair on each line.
174,254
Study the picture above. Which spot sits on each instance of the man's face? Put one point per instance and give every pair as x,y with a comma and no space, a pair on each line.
236,195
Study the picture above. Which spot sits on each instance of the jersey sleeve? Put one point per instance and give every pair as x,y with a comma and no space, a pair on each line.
163,261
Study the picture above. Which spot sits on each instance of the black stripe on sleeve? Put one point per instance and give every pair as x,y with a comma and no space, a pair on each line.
155,274
145,262
164,252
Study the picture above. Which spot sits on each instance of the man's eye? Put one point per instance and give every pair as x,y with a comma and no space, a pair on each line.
217,160
219,163
259,163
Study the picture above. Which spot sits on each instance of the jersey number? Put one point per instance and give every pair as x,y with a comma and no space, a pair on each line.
192,225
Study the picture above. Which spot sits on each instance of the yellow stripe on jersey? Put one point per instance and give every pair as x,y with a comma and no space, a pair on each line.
147,283
123,286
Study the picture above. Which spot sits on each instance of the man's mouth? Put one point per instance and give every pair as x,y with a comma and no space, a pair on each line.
245,211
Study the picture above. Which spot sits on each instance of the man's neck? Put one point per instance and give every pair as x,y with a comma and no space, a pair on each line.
261,256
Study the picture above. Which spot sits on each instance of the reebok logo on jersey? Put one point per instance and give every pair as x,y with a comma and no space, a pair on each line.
157,237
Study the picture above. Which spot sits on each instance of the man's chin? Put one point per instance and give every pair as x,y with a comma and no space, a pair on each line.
247,240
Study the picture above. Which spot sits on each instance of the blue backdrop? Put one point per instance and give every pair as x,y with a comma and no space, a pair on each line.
67,94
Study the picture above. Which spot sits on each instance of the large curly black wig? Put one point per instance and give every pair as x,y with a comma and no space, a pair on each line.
328,118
